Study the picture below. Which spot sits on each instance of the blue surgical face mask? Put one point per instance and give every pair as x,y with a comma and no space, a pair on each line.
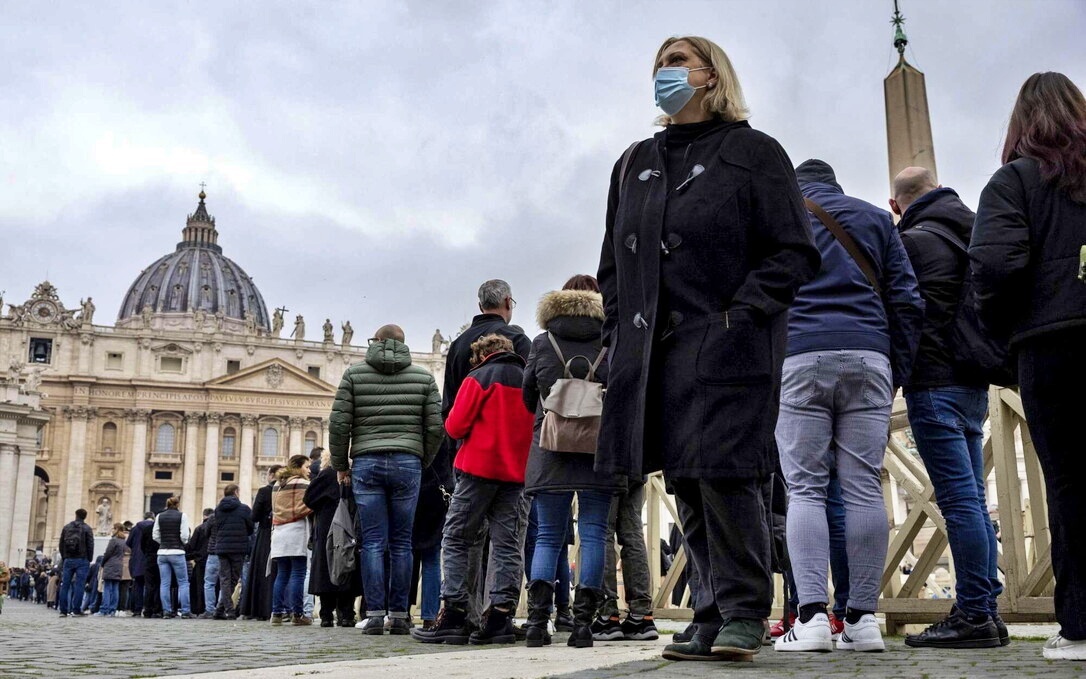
673,88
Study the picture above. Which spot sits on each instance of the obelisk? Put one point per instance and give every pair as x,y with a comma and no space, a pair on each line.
908,127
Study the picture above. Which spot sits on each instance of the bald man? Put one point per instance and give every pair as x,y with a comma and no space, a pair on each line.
947,408
387,416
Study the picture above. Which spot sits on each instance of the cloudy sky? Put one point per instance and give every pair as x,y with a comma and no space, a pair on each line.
376,161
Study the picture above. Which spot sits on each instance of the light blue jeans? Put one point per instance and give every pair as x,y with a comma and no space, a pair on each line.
835,401
211,580
174,565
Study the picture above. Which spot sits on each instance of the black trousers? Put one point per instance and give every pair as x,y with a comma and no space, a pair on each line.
229,576
1052,373
152,601
341,603
724,525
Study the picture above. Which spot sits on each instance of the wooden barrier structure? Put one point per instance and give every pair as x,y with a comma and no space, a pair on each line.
1025,561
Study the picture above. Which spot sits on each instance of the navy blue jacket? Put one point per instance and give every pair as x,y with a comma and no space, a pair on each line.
233,524
839,309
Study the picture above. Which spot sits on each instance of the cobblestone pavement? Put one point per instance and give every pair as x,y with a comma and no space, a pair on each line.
34,642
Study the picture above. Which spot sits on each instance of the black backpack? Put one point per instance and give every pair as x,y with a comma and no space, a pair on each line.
72,541
977,352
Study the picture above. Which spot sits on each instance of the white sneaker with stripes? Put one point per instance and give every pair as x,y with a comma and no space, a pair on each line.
865,636
813,636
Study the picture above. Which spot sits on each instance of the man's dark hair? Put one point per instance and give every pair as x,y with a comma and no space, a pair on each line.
208,511
230,490
81,514
128,525
148,515
274,469
315,454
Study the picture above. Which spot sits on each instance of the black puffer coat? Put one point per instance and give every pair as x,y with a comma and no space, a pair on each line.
233,526
697,275
575,318
1025,254
322,496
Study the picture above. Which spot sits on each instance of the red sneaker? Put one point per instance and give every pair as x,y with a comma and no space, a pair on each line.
779,629
836,627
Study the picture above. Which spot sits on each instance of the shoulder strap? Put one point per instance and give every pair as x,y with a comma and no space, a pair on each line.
561,358
946,234
596,364
847,242
624,167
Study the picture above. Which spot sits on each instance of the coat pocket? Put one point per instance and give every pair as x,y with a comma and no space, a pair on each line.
735,350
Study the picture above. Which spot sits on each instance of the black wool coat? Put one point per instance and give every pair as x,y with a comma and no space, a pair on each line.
431,508
322,496
1025,254
575,318
696,280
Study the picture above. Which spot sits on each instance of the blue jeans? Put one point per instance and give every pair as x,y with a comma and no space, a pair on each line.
430,582
211,580
947,423
111,594
72,580
386,488
175,565
287,589
90,599
553,508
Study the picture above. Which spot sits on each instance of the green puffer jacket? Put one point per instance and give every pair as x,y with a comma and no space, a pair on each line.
385,404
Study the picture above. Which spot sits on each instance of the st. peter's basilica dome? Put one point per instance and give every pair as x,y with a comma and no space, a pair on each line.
195,278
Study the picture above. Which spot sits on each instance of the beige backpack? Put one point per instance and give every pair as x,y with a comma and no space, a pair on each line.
572,410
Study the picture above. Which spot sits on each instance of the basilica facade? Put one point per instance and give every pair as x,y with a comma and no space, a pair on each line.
192,388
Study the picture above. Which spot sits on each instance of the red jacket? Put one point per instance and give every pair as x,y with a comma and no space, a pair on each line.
490,417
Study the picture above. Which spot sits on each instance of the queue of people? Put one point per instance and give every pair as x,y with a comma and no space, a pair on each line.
750,323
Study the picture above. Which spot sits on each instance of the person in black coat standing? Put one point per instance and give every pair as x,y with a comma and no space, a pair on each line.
257,599
1029,269
196,552
233,526
707,242
437,484
323,496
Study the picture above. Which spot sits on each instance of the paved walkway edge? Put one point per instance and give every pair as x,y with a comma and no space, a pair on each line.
512,662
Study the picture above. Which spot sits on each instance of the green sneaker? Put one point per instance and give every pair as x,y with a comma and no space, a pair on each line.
739,639
695,649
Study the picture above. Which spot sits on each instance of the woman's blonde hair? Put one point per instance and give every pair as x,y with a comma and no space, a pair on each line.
725,100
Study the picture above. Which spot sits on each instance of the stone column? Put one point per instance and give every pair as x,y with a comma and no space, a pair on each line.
296,446
137,470
24,499
9,459
54,520
211,461
188,470
86,346
74,486
325,443
245,462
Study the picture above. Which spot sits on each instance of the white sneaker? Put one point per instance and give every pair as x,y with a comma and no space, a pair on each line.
864,636
815,635
374,625
1058,648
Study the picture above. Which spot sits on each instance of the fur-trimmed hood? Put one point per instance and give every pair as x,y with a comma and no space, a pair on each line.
569,303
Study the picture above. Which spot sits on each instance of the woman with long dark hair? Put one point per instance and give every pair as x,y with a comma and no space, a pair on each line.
707,242
1029,267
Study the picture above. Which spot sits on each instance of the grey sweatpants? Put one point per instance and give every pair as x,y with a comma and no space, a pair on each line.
835,401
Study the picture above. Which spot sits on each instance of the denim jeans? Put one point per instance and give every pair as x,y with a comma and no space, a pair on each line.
386,489
287,589
90,600
947,423
624,523
1051,370
307,598
175,565
593,508
430,582
111,590
477,502
72,580
835,402
211,581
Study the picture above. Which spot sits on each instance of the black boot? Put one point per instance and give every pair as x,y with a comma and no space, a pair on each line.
585,603
496,628
540,598
563,619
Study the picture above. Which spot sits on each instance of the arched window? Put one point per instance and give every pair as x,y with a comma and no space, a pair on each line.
109,436
270,445
229,441
310,441
164,438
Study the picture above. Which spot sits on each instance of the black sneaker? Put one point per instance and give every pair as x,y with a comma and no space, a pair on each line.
497,628
956,631
1001,627
399,626
451,627
563,619
607,629
638,630
373,625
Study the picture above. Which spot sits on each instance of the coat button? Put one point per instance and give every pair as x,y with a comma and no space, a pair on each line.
639,321
631,242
